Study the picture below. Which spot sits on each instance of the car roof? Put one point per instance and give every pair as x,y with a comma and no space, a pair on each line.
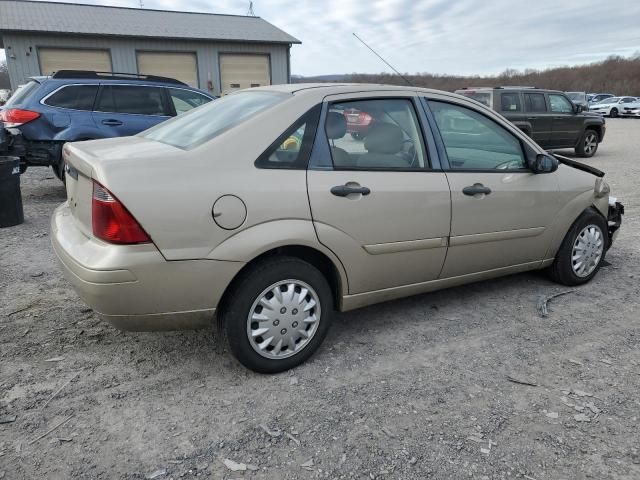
325,89
512,89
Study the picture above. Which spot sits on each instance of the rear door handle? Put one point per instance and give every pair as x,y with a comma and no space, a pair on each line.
344,190
111,122
475,189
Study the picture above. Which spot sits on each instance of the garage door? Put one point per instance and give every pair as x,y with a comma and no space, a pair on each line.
243,71
54,59
181,66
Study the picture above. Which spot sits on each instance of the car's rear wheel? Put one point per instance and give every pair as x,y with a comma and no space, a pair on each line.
582,251
277,314
588,144
613,113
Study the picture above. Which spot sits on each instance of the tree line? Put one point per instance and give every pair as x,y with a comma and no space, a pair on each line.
617,75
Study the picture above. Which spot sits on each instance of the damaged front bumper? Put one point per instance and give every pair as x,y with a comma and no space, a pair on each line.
614,218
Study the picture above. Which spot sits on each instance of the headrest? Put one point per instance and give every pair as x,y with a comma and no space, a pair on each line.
336,125
384,138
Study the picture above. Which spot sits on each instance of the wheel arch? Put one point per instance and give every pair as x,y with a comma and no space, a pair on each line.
565,220
333,273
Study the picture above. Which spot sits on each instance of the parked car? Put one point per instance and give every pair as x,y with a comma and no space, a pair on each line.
579,98
631,110
232,222
358,123
598,97
611,107
547,116
80,105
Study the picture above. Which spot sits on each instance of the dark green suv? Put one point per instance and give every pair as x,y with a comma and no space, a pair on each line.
547,116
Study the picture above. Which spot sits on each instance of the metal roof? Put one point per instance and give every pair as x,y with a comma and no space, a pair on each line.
58,17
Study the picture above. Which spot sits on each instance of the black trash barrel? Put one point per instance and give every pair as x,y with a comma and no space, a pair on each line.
11,212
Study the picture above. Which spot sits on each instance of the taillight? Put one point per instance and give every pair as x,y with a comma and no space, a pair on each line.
14,117
364,118
112,222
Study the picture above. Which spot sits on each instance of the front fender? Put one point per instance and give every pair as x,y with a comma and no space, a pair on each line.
570,212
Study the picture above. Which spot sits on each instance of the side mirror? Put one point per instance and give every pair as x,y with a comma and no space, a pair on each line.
579,108
544,163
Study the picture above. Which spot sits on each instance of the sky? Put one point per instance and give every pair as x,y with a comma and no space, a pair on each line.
463,37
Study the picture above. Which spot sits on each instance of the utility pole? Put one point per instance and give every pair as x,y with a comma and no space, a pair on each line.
250,11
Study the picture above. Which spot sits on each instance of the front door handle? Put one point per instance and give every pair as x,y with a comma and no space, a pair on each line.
475,189
344,190
112,122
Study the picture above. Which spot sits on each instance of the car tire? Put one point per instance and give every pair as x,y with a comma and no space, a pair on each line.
263,339
588,144
585,244
58,171
613,113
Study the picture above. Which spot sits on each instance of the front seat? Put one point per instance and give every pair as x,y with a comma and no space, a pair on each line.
336,127
383,144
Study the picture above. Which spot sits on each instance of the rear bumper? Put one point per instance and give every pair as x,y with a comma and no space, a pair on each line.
43,153
132,286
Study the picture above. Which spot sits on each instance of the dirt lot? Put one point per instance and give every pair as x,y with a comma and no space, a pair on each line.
410,389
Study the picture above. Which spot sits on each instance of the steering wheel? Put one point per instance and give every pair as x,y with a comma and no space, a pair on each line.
409,152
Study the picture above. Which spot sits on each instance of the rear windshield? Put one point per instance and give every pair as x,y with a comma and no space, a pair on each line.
482,97
206,122
22,93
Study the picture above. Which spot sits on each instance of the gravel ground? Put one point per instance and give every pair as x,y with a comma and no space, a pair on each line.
412,389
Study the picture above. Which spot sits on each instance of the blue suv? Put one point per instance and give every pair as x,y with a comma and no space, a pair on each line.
76,105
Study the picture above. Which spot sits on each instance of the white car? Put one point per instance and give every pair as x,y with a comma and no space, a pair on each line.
612,107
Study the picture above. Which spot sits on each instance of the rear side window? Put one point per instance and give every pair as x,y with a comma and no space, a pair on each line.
76,97
510,102
292,149
381,134
535,102
131,99
22,93
185,100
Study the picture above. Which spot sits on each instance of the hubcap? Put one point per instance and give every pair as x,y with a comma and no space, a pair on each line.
283,319
587,251
590,143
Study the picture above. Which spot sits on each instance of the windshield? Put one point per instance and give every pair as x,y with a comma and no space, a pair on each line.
576,95
482,97
22,93
206,122
610,100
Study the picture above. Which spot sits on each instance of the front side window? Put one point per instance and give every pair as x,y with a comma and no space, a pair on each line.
375,135
76,97
535,102
475,142
131,99
511,102
202,124
185,100
559,104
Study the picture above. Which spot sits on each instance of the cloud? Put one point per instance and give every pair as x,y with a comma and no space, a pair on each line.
438,36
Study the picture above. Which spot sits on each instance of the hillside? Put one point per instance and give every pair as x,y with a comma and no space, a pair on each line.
616,75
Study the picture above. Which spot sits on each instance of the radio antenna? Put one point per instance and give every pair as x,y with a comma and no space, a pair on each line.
387,63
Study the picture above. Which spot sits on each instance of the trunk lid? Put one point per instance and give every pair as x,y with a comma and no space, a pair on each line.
86,161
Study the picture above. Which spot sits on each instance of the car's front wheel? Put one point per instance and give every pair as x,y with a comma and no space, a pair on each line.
613,113
582,251
588,144
277,314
